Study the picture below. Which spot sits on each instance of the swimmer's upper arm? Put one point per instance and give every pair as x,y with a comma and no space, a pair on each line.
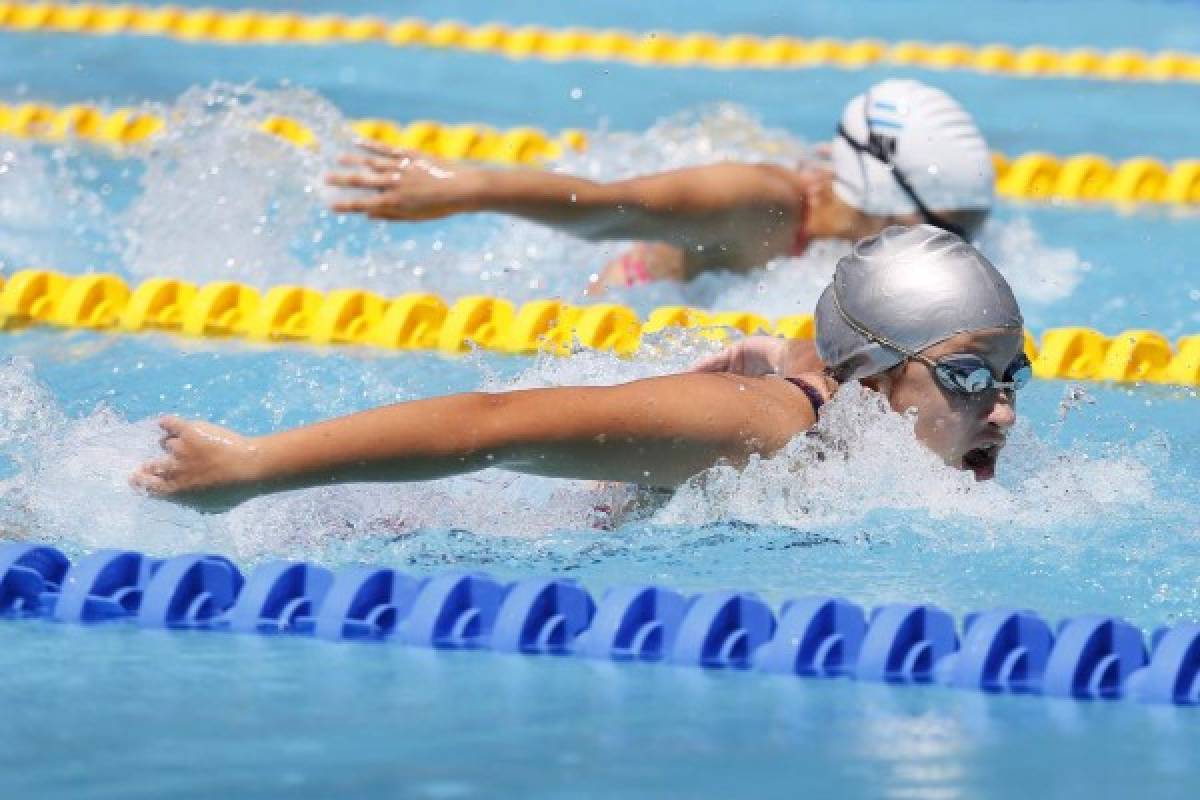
739,214
657,431
710,189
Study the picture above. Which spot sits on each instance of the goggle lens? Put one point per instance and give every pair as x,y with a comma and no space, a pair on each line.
968,374
1022,375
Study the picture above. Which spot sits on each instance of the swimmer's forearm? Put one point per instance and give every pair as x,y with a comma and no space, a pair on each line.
683,207
579,206
658,431
418,440
550,432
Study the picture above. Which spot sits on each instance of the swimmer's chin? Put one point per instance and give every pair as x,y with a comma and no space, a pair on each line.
984,473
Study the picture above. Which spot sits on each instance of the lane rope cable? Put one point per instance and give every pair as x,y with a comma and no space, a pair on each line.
640,48
999,651
1034,176
423,321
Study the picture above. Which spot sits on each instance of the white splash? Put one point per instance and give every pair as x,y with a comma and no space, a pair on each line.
215,198
863,458
1037,272
49,216
221,199
70,484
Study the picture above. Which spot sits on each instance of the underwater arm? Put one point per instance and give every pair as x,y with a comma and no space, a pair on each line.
658,431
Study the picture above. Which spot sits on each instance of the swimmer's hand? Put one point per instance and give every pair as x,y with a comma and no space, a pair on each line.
204,466
642,263
404,185
756,356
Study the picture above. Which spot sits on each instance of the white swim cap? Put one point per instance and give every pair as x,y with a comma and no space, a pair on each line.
929,138
907,289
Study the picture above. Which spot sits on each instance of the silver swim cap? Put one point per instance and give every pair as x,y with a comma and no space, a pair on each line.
911,288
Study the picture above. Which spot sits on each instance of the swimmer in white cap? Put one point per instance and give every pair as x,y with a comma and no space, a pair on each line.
905,153
916,314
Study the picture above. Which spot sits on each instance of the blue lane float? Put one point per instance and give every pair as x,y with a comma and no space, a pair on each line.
817,637
633,623
999,651
1002,651
105,585
281,597
30,579
363,603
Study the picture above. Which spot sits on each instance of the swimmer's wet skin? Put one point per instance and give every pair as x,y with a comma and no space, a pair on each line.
905,153
949,315
656,432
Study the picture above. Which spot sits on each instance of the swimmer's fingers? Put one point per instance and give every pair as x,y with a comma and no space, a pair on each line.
172,425
717,362
355,180
377,149
151,484
389,208
390,165
391,214
168,441
365,205
753,357
178,436
156,477
376,208
375,163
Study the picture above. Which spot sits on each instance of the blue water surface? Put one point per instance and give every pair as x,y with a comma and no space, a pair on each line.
1095,511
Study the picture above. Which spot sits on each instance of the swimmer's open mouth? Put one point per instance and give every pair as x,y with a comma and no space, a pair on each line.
982,461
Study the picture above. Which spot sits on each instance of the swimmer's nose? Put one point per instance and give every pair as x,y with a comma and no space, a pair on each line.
1002,414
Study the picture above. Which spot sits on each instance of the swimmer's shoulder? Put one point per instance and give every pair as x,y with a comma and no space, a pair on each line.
791,404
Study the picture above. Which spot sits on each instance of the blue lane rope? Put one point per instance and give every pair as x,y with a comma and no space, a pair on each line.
1003,651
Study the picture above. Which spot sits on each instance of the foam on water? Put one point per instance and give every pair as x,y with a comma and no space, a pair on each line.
49,216
220,199
863,458
69,482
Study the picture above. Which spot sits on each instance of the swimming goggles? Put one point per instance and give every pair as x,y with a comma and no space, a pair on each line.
967,373
881,152
960,373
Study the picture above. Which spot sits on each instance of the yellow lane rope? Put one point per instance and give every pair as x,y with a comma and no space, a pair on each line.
643,48
424,321
1084,177
126,127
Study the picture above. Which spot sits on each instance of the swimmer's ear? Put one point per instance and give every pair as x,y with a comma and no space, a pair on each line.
881,383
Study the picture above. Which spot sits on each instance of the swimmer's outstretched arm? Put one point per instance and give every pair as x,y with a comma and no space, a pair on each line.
658,431
723,214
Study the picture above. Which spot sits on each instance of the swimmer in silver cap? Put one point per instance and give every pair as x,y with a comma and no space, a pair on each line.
919,315
915,313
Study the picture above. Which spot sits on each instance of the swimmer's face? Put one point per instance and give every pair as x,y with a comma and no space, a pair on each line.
967,431
829,217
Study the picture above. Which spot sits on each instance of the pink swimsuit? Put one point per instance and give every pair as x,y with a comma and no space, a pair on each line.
633,267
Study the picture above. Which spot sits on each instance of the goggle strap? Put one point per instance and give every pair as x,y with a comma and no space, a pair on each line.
879,339
876,151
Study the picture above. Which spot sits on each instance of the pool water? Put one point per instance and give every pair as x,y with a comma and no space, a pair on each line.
1095,509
